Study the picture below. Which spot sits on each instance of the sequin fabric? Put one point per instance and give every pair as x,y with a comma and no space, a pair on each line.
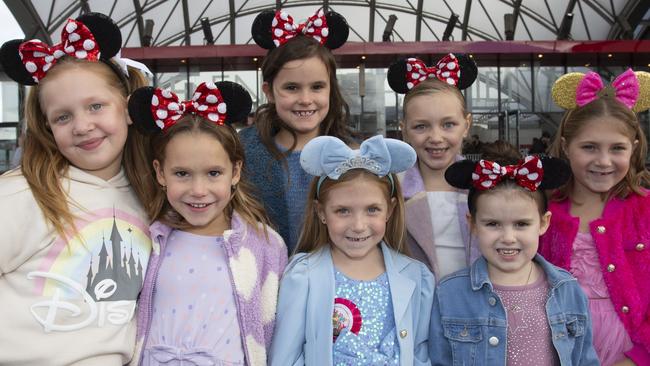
376,343
529,335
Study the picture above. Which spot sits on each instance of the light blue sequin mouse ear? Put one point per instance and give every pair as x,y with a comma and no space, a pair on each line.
402,155
329,156
313,157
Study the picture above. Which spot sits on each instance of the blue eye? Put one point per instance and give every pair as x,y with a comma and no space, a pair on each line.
62,118
95,106
181,174
214,173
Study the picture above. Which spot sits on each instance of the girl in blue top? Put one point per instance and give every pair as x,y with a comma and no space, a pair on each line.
350,297
304,101
511,306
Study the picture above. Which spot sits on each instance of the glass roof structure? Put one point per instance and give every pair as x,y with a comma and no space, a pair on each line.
160,23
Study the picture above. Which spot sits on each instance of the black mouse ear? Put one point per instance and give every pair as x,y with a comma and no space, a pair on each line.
339,30
13,65
261,29
106,33
397,77
459,174
468,71
140,110
556,173
238,101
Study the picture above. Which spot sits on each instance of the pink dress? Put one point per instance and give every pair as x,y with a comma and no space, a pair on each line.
609,335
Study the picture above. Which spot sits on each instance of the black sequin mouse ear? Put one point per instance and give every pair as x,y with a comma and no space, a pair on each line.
237,99
459,174
140,110
106,33
13,65
397,76
468,71
339,30
261,29
556,173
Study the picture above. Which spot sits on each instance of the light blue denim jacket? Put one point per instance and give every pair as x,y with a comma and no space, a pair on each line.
469,325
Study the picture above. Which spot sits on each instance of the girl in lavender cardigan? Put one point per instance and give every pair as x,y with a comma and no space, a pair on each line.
210,291
434,124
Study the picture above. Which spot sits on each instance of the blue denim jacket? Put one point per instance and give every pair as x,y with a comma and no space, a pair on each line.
469,325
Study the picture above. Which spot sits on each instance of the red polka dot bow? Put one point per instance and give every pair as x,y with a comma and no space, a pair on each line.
76,41
528,174
283,27
207,102
446,70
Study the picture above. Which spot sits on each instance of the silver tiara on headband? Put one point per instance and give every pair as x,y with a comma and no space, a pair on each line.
329,157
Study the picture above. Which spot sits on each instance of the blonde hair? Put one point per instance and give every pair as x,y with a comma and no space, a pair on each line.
241,200
575,120
43,165
433,86
314,233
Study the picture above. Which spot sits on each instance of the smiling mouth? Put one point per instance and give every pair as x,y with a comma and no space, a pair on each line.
508,252
198,205
303,113
600,173
436,151
91,143
358,239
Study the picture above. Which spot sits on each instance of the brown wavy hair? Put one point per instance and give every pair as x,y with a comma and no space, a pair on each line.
267,120
314,233
241,200
43,166
575,120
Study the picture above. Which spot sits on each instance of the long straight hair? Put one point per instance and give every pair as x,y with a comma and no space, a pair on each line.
314,233
267,120
241,199
43,165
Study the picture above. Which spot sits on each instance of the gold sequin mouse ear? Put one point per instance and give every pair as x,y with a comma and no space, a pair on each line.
564,89
643,101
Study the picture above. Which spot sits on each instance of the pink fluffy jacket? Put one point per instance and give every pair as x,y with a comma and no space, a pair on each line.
622,238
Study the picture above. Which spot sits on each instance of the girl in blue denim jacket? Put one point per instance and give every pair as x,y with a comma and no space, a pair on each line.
511,306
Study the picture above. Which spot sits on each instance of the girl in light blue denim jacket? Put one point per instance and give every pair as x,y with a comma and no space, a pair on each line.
511,306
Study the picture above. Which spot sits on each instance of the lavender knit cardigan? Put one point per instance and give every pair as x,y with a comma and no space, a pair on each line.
622,239
256,264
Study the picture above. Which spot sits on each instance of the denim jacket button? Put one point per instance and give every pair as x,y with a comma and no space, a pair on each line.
403,333
494,341
492,301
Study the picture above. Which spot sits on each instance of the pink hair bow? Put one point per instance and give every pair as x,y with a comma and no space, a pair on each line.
283,27
528,174
76,41
446,70
207,102
626,87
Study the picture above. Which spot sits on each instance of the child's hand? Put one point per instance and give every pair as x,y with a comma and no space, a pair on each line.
625,362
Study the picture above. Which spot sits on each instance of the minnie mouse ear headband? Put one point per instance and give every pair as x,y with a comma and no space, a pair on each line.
92,37
273,28
454,69
577,89
329,157
532,173
154,109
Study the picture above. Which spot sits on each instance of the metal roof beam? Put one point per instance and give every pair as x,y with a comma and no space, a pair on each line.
418,21
28,19
138,19
468,11
233,13
186,23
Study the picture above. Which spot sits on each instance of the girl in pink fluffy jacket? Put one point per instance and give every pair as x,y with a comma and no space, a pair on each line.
600,229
